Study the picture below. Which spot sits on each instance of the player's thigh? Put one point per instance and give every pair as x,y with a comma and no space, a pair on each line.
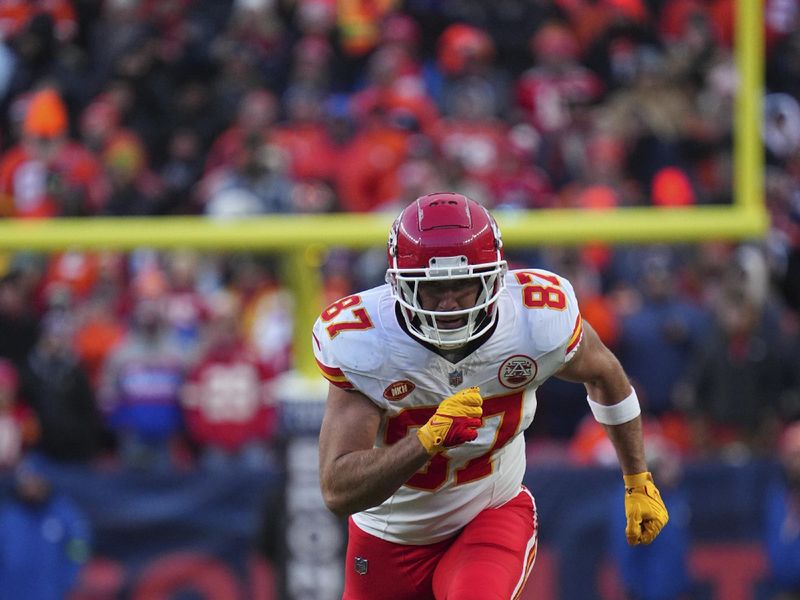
379,570
492,556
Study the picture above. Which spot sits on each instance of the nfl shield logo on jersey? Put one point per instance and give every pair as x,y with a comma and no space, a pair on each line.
361,565
455,378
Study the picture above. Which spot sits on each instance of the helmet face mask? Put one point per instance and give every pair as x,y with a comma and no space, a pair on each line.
446,238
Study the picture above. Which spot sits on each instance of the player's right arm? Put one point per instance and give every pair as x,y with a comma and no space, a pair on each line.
354,475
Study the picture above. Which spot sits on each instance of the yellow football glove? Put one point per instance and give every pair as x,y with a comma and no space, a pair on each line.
456,421
644,509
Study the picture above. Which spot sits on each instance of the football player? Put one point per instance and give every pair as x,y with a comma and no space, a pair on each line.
433,381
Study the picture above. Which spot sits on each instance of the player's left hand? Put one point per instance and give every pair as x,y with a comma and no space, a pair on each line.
645,510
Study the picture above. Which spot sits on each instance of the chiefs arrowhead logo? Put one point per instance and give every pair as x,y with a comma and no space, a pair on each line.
398,390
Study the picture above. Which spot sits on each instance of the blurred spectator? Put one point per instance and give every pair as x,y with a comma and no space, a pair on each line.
782,517
98,331
781,131
518,182
311,66
134,188
18,427
185,309
653,116
8,62
256,113
790,400
471,133
44,50
359,22
782,69
659,571
45,538
670,186
304,137
733,385
140,389
47,174
229,412
15,16
118,28
255,29
562,405
466,55
182,168
368,174
143,86
661,328
100,127
256,184
619,31
194,106
599,180
71,274
18,323
393,84
549,91
266,314
415,176
58,390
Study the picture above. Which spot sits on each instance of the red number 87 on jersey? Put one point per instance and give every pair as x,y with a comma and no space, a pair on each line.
541,296
508,410
361,321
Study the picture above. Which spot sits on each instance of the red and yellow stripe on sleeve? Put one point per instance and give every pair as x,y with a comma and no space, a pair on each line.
577,334
335,376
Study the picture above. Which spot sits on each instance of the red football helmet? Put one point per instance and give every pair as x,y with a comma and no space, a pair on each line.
445,236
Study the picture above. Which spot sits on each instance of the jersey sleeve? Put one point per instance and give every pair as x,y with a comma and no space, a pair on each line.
347,344
327,361
551,313
570,322
575,338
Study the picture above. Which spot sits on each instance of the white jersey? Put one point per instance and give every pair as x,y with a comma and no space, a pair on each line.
360,345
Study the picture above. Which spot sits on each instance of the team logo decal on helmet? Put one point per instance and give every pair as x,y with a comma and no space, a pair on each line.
446,237
517,371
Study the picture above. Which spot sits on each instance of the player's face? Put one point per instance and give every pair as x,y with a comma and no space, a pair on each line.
445,296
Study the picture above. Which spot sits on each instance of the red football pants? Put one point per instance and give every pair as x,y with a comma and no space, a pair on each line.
490,559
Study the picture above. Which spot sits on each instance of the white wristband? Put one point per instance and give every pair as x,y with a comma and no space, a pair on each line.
616,414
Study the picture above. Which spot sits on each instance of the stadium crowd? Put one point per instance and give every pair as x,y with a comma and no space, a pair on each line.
248,107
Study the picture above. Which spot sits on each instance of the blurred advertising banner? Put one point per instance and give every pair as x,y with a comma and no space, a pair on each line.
264,534
193,534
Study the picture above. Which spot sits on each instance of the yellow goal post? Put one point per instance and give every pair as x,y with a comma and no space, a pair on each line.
303,239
